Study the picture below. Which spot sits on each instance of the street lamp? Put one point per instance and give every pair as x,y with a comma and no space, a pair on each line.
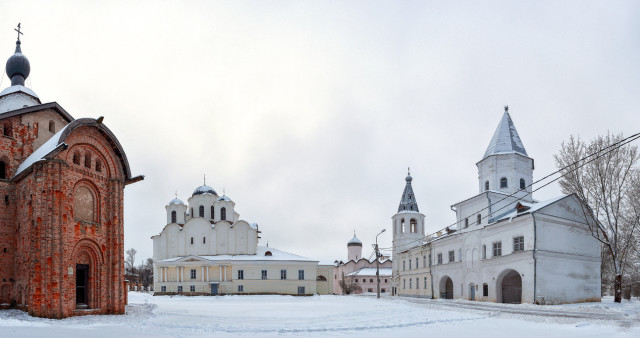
378,261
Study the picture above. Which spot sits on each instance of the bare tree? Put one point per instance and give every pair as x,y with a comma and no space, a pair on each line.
130,260
348,286
607,184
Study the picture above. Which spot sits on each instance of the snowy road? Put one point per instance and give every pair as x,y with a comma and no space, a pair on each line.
267,316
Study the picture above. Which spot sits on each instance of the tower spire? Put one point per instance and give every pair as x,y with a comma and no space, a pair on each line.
408,200
505,139
18,67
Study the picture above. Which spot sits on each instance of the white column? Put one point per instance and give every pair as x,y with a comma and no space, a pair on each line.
182,275
220,268
202,268
164,274
207,278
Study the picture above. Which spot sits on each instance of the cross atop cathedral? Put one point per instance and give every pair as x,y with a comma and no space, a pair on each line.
409,171
176,193
204,179
506,108
18,30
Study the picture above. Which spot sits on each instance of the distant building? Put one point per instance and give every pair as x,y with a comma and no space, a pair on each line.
62,186
506,247
205,248
358,274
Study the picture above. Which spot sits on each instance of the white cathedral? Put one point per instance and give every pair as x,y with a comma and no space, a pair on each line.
506,247
205,248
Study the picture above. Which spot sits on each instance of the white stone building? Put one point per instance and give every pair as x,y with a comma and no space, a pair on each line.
206,248
359,272
505,246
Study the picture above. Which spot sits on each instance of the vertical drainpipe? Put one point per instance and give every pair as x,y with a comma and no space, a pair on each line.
535,263
431,271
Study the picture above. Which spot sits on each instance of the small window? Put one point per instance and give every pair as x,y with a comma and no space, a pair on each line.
87,160
356,280
522,185
503,183
478,219
240,288
201,211
3,170
439,258
497,249
466,222
193,273
283,274
52,126
173,217
404,283
425,282
264,274
518,243
404,265
204,240
402,229
192,288
486,185
369,290
76,158
179,288
268,253
413,226
240,274
417,263
385,281
484,252
485,290
409,264
452,256
424,261
163,288
98,166
301,290
410,284
213,212
7,129
191,240
223,213
301,274
383,290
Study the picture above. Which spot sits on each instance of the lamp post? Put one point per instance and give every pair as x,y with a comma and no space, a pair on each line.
378,262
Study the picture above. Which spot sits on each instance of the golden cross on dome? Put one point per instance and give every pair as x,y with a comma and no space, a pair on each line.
18,30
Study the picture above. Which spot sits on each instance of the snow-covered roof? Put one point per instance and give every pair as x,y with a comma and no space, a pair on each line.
204,189
224,198
354,240
176,201
371,272
505,139
16,97
530,208
254,225
44,150
276,255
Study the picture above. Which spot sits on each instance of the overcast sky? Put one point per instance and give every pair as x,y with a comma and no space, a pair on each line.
308,113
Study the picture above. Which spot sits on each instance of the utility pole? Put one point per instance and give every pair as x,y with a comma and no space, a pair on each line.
378,263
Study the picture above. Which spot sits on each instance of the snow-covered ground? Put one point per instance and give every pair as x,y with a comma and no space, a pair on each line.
263,316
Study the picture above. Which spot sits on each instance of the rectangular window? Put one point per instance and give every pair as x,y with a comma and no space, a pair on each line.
163,288
409,264
193,273
439,258
417,263
240,288
518,243
264,274
301,290
240,274
417,283
425,282
192,288
283,274
497,249
301,274
404,283
424,261
410,280
485,290
404,265
179,288
484,252
452,256
204,240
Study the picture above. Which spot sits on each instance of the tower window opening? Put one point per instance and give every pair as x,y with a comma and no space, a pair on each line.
52,126
479,219
413,226
173,217
87,160
76,158
402,229
213,212
466,222
486,185
223,213
522,185
192,240
98,166
7,129
503,182
201,211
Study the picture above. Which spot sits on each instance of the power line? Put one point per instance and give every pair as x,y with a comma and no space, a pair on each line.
600,153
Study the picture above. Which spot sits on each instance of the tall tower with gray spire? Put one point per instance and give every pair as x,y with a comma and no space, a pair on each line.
407,225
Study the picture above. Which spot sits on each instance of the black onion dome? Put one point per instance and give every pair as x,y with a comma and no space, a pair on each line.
18,67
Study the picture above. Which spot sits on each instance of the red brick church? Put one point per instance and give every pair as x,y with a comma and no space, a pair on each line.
61,217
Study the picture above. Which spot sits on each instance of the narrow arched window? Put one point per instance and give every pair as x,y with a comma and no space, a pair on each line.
201,211
213,212
223,213
76,157
466,222
52,126
3,170
173,217
503,182
192,240
402,229
522,185
413,226
87,160
7,129
478,219
98,166
486,185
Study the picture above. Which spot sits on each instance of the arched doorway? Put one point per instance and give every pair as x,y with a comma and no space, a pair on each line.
472,291
511,288
446,288
88,272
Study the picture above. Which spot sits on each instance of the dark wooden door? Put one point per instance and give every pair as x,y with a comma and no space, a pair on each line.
82,284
